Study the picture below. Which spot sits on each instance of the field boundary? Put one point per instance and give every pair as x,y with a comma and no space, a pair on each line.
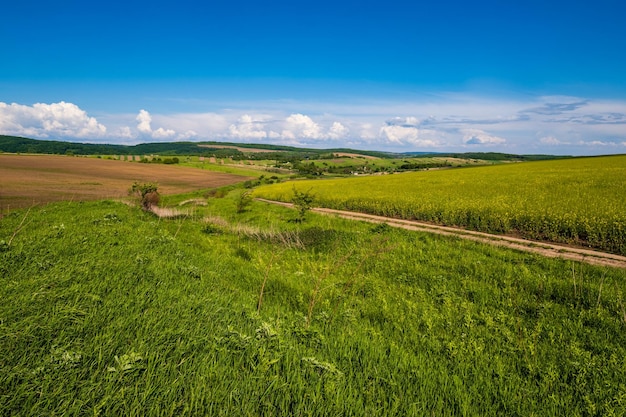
550,250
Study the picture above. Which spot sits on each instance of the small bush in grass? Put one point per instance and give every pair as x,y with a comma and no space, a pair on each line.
303,201
148,194
243,201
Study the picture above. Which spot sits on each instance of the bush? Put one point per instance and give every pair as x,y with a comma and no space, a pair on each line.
147,193
243,201
151,199
303,201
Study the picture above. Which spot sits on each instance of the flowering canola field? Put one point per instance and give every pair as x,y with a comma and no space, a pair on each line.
580,200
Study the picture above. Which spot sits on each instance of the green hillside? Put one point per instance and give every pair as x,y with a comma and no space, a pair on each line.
109,310
14,144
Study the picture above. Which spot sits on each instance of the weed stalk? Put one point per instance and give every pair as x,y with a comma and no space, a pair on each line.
20,226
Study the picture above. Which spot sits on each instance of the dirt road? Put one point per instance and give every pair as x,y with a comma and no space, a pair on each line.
541,248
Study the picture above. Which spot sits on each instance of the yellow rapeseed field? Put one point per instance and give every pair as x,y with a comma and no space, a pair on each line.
580,200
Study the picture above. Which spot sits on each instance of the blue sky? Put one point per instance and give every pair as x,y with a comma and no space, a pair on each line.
521,77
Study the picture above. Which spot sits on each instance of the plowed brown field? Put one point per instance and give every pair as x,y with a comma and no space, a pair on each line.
35,179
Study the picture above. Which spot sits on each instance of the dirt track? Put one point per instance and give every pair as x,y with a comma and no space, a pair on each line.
541,248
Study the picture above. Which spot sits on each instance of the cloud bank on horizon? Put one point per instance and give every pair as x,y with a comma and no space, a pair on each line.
559,125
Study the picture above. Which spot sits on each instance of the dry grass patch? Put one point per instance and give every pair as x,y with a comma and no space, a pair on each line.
289,239
169,213
284,238
193,201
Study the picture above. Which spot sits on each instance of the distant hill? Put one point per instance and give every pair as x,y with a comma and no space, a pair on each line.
16,144
487,156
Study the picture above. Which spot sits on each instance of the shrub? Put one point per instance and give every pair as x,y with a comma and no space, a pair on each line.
147,193
303,201
151,199
243,201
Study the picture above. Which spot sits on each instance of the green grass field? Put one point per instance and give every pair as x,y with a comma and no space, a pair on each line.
393,164
581,201
108,310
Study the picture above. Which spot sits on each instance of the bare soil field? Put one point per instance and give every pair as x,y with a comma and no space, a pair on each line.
36,179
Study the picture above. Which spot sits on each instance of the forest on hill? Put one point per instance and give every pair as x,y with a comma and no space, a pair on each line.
15,144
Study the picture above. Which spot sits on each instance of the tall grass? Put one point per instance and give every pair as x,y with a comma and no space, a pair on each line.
109,310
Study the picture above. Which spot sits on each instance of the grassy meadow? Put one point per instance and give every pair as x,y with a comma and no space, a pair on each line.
110,310
580,201
369,165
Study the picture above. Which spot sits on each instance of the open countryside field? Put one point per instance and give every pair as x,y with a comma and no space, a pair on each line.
32,179
109,311
576,201
112,311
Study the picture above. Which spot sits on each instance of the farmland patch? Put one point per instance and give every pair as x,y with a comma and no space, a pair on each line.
576,201
36,179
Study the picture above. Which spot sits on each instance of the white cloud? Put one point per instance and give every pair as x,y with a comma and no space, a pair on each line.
124,132
551,140
144,120
145,127
450,122
301,126
298,128
426,143
338,131
161,133
367,132
479,137
598,143
407,135
399,134
403,121
62,120
190,134
287,134
247,128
